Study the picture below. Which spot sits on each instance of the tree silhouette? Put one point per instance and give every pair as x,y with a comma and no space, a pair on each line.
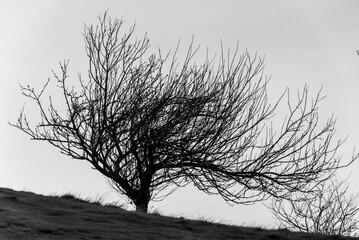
330,209
151,124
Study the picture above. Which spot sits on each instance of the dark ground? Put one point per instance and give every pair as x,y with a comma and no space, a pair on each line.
25,215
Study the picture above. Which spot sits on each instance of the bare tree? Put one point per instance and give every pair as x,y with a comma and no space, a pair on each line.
329,210
151,124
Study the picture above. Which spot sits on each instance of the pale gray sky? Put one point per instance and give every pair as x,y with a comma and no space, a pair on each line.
311,42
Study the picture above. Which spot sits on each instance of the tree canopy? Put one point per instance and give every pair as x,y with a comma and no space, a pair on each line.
150,123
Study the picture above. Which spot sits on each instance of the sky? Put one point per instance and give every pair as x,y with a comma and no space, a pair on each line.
303,42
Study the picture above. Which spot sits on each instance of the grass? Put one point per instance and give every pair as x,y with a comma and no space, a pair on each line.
25,215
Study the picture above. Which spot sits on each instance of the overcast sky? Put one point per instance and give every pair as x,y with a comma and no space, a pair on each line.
304,42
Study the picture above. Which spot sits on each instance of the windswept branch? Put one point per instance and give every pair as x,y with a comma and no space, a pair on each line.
149,123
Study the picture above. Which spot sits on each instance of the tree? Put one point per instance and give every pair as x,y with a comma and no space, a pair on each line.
151,124
329,210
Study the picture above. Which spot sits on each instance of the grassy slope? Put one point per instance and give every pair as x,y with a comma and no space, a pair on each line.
25,215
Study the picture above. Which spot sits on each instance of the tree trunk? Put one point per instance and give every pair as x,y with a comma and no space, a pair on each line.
141,200
142,206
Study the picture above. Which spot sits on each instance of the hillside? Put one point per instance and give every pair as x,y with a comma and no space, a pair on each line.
25,215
